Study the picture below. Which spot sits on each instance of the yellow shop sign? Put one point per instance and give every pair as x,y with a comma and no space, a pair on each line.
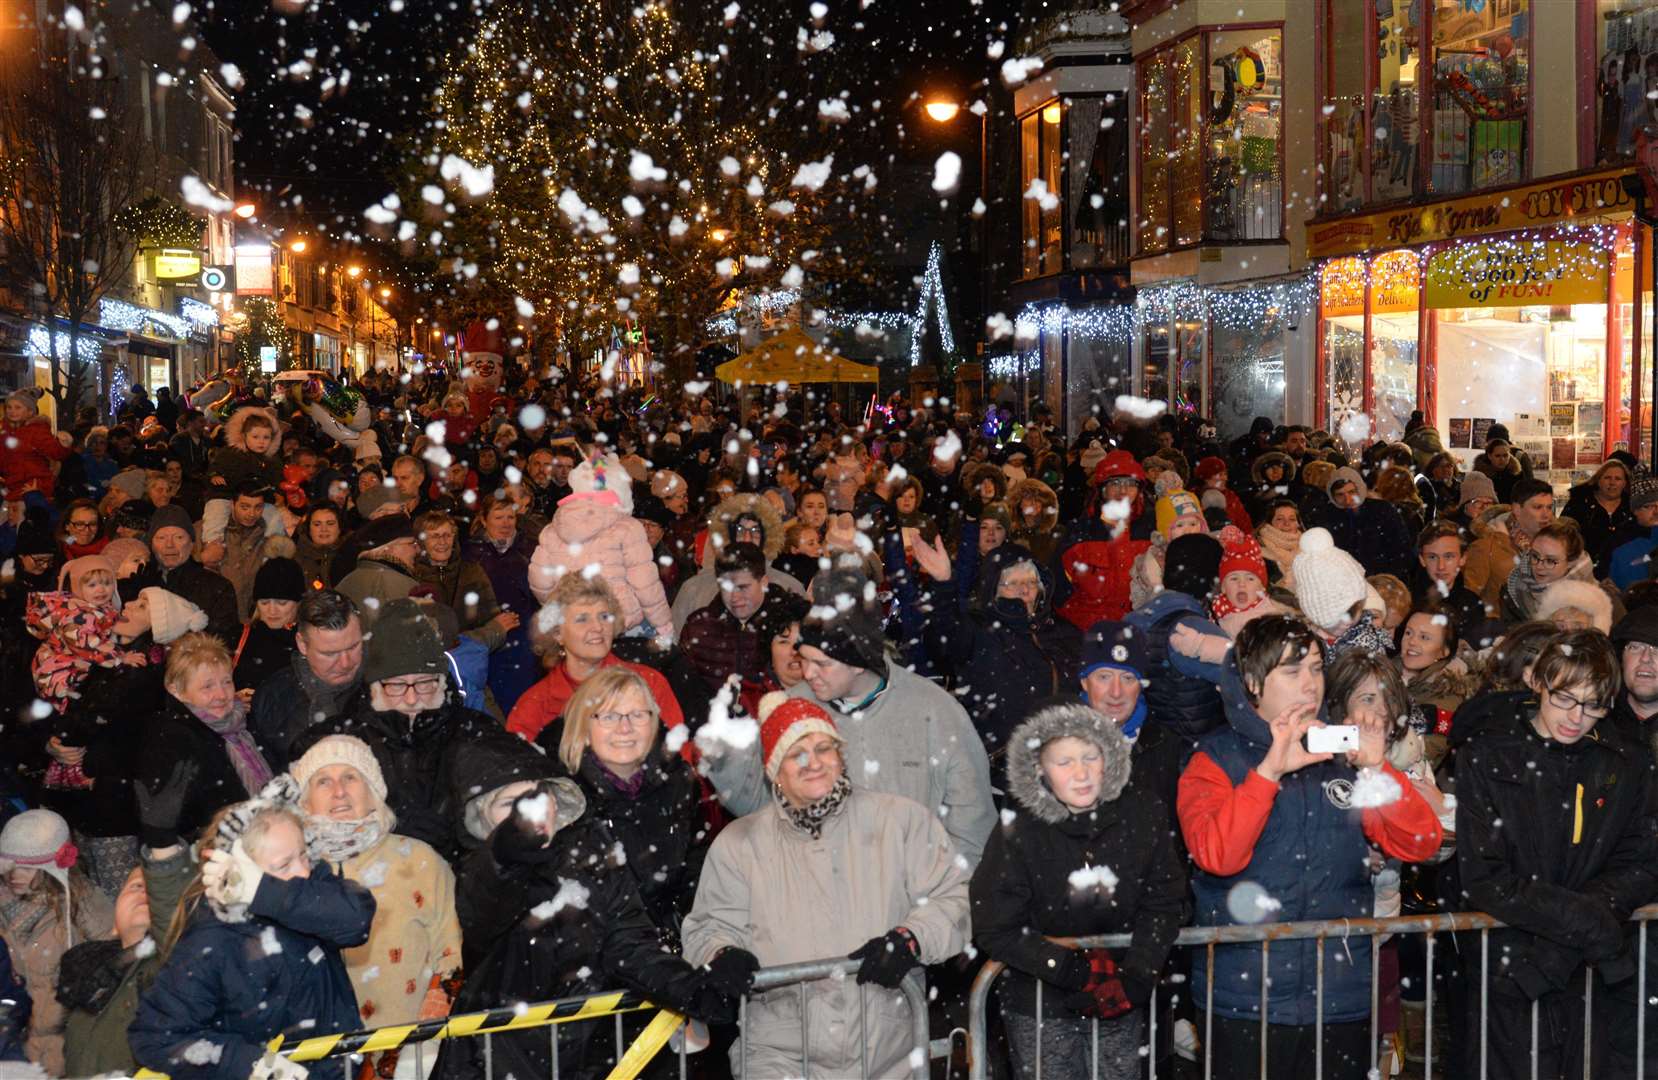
1522,273
1584,199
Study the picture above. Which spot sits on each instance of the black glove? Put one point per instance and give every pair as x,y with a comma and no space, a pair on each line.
888,958
525,834
160,807
732,971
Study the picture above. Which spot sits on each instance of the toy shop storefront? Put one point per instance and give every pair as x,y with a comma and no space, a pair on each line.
1528,306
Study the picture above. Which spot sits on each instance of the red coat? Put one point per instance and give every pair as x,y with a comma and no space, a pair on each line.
544,702
30,449
1099,574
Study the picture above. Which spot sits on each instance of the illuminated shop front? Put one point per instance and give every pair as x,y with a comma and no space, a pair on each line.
1521,306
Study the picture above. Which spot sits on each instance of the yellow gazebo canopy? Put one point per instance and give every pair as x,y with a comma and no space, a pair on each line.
794,358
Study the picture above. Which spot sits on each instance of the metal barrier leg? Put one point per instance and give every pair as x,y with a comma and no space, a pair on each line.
1266,947
1151,1041
1094,1046
1534,1040
552,1038
1588,1015
1640,1004
1485,985
489,1057
684,1039
1427,1027
920,1032
1209,1017
621,1043
420,1059
1038,1029
742,1037
1318,1012
805,1036
1375,999
863,1032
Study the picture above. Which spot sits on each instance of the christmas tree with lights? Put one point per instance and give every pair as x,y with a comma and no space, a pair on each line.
645,160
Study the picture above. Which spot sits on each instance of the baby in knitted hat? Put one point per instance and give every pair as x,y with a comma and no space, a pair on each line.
77,628
1243,584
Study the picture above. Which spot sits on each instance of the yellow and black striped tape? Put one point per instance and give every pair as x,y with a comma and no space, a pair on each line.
509,1018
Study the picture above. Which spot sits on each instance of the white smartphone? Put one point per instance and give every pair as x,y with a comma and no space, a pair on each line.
1332,739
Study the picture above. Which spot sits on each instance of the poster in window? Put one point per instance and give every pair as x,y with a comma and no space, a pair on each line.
1590,414
1528,426
1462,433
1482,429
1536,449
1562,421
1590,450
1565,453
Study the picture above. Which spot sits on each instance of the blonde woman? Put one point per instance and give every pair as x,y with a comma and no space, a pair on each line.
649,797
206,722
575,632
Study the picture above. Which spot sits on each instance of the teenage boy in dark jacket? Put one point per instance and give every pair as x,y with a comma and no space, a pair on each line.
1555,840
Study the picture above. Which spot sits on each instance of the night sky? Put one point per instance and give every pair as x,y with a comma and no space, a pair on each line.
334,92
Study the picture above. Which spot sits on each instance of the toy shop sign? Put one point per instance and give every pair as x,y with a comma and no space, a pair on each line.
1578,200
1516,273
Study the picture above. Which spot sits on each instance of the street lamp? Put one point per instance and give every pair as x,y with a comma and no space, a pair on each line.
717,235
354,271
297,246
245,210
385,293
942,111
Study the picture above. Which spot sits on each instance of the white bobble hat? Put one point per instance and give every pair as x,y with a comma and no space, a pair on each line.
1328,581
171,615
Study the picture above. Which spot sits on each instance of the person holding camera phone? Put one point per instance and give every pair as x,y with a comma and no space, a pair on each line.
1279,830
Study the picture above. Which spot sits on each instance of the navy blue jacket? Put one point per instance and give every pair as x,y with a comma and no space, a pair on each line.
1374,534
1184,704
228,988
15,1009
1310,858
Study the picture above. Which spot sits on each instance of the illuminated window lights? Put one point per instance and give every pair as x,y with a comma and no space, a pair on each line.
88,348
120,315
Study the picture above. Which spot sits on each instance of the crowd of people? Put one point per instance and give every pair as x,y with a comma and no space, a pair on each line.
532,687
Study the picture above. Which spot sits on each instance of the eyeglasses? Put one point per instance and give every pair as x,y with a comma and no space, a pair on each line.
79,525
637,718
1640,650
1566,703
1546,560
420,687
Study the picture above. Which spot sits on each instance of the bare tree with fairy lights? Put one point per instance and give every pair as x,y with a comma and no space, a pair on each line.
70,158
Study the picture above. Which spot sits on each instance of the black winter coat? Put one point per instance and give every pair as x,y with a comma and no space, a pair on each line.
1555,841
416,757
1023,890
211,592
1375,534
568,924
283,711
663,833
177,735
1602,532
1007,660
110,720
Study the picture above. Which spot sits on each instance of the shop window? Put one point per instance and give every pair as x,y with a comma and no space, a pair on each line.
1346,141
1395,100
1446,108
1247,343
1341,310
1626,39
1535,356
1171,148
1172,348
1480,78
1097,190
1042,167
1243,182
1394,352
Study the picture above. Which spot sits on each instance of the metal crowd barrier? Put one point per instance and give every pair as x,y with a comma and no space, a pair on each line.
1264,934
345,1046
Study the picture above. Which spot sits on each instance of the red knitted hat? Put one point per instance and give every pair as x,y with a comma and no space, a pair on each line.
784,721
1209,467
1244,556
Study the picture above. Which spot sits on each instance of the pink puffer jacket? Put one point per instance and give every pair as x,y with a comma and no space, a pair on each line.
587,530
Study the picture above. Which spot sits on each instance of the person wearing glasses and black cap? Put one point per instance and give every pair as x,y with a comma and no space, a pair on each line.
1554,839
413,720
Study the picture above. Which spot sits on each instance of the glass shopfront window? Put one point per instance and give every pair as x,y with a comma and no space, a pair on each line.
1171,147
1394,350
1346,140
1097,190
1173,342
1248,348
1041,160
1243,181
1211,140
1444,107
1341,308
1626,39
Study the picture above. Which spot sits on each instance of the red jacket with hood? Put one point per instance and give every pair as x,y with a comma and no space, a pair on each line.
1100,555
